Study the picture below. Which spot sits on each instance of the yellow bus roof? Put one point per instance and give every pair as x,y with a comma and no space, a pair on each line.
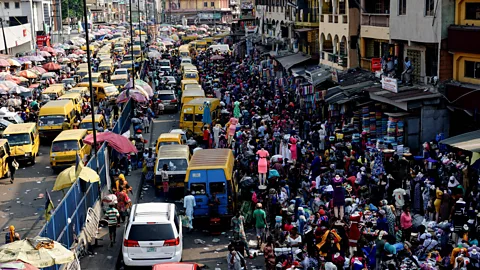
56,107
119,77
69,95
173,150
169,136
205,159
193,93
200,101
95,84
105,63
78,88
183,48
88,118
71,134
19,128
54,88
187,81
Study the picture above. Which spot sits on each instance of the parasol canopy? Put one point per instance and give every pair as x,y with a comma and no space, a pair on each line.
19,89
48,49
14,63
38,70
134,94
4,63
17,265
28,74
51,66
26,251
217,57
116,141
44,54
8,84
67,177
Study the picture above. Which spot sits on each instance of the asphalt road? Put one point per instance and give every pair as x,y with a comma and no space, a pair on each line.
213,252
21,203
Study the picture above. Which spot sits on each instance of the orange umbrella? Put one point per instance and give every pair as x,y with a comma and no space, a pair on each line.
48,49
28,74
51,66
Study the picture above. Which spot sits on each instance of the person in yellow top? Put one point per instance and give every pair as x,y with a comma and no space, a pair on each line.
65,125
122,182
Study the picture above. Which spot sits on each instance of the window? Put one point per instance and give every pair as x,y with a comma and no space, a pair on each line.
472,11
17,5
402,7
212,4
429,7
217,188
151,232
472,69
198,188
2,152
6,5
205,4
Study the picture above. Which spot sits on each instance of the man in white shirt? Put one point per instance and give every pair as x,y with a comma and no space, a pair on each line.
189,205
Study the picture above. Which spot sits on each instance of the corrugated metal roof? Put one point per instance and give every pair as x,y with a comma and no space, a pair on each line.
211,158
468,141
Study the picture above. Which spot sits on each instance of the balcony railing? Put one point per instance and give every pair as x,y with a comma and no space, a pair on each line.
375,19
340,60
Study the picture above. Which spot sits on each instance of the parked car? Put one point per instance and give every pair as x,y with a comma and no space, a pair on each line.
169,99
153,235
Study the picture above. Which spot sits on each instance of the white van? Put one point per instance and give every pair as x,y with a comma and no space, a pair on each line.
223,48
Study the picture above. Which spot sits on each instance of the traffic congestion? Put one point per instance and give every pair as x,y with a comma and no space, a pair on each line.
224,154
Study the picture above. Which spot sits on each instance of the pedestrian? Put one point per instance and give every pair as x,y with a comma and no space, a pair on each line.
406,223
189,205
12,166
123,203
11,236
235,260
237,223
65,125
146,123
165,180
269,253
260,218
112,216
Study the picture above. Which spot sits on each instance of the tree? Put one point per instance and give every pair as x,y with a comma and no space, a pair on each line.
72,9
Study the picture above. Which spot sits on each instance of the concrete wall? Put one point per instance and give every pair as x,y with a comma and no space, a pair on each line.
434,121
415,26
274,15
18,40
375,32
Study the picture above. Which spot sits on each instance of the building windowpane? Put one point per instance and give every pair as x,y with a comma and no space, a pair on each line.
212,4
205,4
429,7
402,7
472,11
472,69
6,5
17,5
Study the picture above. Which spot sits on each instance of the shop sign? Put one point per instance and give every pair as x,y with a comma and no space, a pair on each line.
390,84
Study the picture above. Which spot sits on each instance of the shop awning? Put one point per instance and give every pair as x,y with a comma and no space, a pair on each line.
468,141
294,59
403,97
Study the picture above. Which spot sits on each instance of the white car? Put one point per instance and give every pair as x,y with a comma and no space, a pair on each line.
153,235
121,71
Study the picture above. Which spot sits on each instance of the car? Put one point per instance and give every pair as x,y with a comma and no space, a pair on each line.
121,71
153,235
176,266
169,99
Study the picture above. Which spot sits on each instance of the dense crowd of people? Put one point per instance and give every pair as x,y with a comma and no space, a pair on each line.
319,200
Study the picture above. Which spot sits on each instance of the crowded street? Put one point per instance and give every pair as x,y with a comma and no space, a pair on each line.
201,144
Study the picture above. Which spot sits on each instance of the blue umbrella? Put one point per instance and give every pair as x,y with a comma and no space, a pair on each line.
207,119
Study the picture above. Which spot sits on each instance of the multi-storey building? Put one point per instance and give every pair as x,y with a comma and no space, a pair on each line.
462,92
198,11
339,33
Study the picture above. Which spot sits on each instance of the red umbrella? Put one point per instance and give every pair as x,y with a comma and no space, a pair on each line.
79,52
51,66
49,49
38,69
118,142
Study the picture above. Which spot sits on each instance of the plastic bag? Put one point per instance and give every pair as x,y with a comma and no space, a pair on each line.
184,220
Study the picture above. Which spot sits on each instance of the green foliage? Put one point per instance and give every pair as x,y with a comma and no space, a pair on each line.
72,9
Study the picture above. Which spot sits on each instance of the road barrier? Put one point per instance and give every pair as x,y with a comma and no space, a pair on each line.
68,219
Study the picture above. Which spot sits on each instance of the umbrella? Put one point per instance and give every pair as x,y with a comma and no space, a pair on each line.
207,119
141,86
134,94
38,69
8,84
64,60
154,54
4,63
65,179
78,52
19,89
26,251
14,63
44,53
74,56
175,37
51,66
140,32
273,173
28,74
167,43
3,89
48,49
17,265
217,57
116,141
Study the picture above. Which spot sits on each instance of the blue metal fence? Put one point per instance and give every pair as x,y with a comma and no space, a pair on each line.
81,196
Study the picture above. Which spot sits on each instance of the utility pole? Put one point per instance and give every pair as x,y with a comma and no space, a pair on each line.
131,46
4,39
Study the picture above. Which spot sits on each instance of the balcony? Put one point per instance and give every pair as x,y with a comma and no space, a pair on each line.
375,25
458,34
337,61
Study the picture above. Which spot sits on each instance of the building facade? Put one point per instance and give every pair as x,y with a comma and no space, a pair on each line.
339,33
198,11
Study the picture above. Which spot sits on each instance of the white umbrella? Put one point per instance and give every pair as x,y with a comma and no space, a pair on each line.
18,89
8,84
154,54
